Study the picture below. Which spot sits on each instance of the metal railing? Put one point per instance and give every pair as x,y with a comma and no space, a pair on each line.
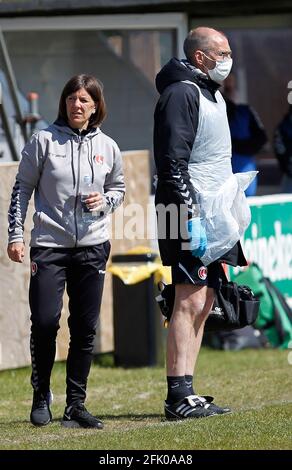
20,118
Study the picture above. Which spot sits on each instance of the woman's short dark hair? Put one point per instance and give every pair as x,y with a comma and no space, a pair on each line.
94,88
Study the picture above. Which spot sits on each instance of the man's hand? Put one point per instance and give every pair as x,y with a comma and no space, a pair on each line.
15,251
198,238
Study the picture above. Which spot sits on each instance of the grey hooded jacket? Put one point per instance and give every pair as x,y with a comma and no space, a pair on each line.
53,165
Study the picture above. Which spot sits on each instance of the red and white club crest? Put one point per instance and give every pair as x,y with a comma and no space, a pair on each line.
202,272
99,159
34,268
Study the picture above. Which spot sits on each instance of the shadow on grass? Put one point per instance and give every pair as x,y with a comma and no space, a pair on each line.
136,417
107,417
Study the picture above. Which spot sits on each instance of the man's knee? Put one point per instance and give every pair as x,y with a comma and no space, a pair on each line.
191,299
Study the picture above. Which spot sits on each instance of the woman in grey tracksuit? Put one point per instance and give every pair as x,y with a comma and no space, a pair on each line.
58,164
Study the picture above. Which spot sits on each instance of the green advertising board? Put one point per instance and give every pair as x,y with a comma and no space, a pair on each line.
268,239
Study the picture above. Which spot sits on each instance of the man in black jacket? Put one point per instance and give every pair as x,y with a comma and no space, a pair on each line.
191,138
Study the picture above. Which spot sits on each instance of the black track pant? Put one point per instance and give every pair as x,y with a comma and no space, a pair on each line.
82,270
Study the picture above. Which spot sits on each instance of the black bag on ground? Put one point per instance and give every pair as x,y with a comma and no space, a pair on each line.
235,306
247,337
275,314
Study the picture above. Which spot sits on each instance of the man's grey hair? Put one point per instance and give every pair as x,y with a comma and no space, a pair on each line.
195,40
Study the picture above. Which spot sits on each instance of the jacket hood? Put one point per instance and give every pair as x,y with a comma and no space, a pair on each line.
63,126
177,71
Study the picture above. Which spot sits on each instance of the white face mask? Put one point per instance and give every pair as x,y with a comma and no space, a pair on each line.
221,69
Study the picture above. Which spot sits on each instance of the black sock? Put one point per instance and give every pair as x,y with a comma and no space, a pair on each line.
177,389
189,384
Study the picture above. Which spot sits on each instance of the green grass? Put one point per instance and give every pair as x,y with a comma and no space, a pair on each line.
256,384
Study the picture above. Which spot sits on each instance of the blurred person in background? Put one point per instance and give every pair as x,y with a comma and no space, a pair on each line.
283,150
248,135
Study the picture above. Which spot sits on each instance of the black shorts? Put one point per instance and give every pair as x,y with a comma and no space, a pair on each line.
190,270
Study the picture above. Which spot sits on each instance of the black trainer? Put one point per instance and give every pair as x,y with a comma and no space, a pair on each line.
77,416
192,406
218,410
40,414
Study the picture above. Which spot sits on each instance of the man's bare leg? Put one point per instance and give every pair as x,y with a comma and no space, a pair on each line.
186,325
191,308
197,334
194,349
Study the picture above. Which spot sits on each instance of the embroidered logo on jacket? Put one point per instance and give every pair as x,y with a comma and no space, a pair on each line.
99,159
33,268
202,272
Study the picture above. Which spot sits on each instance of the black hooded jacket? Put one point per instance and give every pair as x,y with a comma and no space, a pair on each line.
175,127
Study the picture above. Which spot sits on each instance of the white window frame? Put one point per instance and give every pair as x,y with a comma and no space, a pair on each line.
150,21
245,22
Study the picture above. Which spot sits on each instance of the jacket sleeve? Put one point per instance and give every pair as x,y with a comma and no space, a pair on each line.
114,187
279,144
282,149
26,180
175,127
257,136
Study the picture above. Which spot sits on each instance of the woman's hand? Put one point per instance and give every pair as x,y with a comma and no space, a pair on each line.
95,201
15,251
